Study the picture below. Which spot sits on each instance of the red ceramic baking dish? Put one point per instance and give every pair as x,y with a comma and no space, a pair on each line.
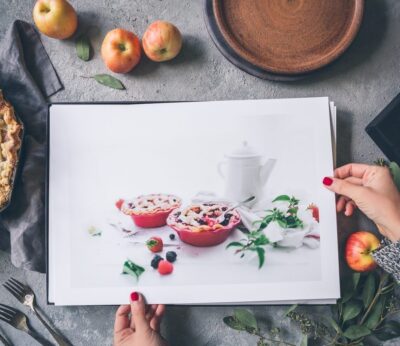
201,236
149,211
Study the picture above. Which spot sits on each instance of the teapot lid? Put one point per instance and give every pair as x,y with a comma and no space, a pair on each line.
244,152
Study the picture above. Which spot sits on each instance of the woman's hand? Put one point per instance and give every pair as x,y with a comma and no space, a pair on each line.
372,190
138,324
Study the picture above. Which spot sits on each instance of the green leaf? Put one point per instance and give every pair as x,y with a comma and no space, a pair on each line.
109,81
395,170
304,340
234,243
282,198
355,332
261,240
246,318
83,48
261,256
233,323
290,309
390,330
356,280
132,269
368,292
376,313
351,310
334,325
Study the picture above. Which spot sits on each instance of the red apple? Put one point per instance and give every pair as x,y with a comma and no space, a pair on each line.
359,247
121,50
55,18
162,41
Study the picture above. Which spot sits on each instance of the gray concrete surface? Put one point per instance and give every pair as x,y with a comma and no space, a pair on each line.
361,83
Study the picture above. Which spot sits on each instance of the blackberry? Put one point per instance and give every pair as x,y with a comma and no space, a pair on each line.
171,256
154,262
172,236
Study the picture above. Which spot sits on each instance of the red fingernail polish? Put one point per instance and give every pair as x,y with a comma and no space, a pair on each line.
134,296
327,181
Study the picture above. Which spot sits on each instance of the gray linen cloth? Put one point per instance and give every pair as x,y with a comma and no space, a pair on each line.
27,77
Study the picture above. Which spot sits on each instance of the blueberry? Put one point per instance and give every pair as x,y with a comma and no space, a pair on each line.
171,256
156,259
172,236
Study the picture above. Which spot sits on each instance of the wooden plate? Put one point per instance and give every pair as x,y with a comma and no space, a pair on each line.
288,36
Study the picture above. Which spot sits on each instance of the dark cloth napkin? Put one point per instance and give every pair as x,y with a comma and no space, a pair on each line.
27,77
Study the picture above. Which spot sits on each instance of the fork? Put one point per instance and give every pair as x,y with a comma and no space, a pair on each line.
19,321
4,341
26,296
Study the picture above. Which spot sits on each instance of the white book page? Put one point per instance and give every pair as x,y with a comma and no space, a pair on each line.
99,153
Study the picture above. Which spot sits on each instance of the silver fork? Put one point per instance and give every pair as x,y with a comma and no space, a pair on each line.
4,341
19,321
26,296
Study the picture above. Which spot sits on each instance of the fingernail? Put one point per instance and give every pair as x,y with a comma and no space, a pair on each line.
327,181
134,296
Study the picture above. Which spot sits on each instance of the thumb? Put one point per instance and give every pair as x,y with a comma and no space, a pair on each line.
138,312
343,187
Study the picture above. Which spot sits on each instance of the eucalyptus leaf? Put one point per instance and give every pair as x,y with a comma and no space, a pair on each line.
375,313
282,198
246,318
334,325
304,340
290,309
351,310
390,330
109,81
369,289
395,170
233,323
83,48
355,332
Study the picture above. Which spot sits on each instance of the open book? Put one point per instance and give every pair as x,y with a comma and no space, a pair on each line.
192,203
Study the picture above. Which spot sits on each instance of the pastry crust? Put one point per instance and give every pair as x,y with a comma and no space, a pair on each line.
151,204
10,144
203,217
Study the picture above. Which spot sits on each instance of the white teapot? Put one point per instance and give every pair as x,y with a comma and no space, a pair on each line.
244,173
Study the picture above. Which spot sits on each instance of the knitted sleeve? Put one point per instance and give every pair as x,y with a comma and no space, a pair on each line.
388,258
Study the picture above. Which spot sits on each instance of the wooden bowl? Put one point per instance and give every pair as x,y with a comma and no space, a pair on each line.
289,36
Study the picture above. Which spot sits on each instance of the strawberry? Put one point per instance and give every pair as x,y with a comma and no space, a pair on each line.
165,267
119,203
315,211
155,244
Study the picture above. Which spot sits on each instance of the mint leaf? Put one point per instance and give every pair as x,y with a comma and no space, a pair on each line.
133,269
282,198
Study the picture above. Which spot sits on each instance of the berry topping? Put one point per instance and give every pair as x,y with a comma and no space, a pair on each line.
171,256
165,267
155,261
155,244
172,236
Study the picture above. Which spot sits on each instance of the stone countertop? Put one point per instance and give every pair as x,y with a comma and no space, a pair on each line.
362,82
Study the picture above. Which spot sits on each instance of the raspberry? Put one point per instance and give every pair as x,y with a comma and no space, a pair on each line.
165,267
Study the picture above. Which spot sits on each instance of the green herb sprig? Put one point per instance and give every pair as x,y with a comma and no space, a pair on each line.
132,269
256,240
